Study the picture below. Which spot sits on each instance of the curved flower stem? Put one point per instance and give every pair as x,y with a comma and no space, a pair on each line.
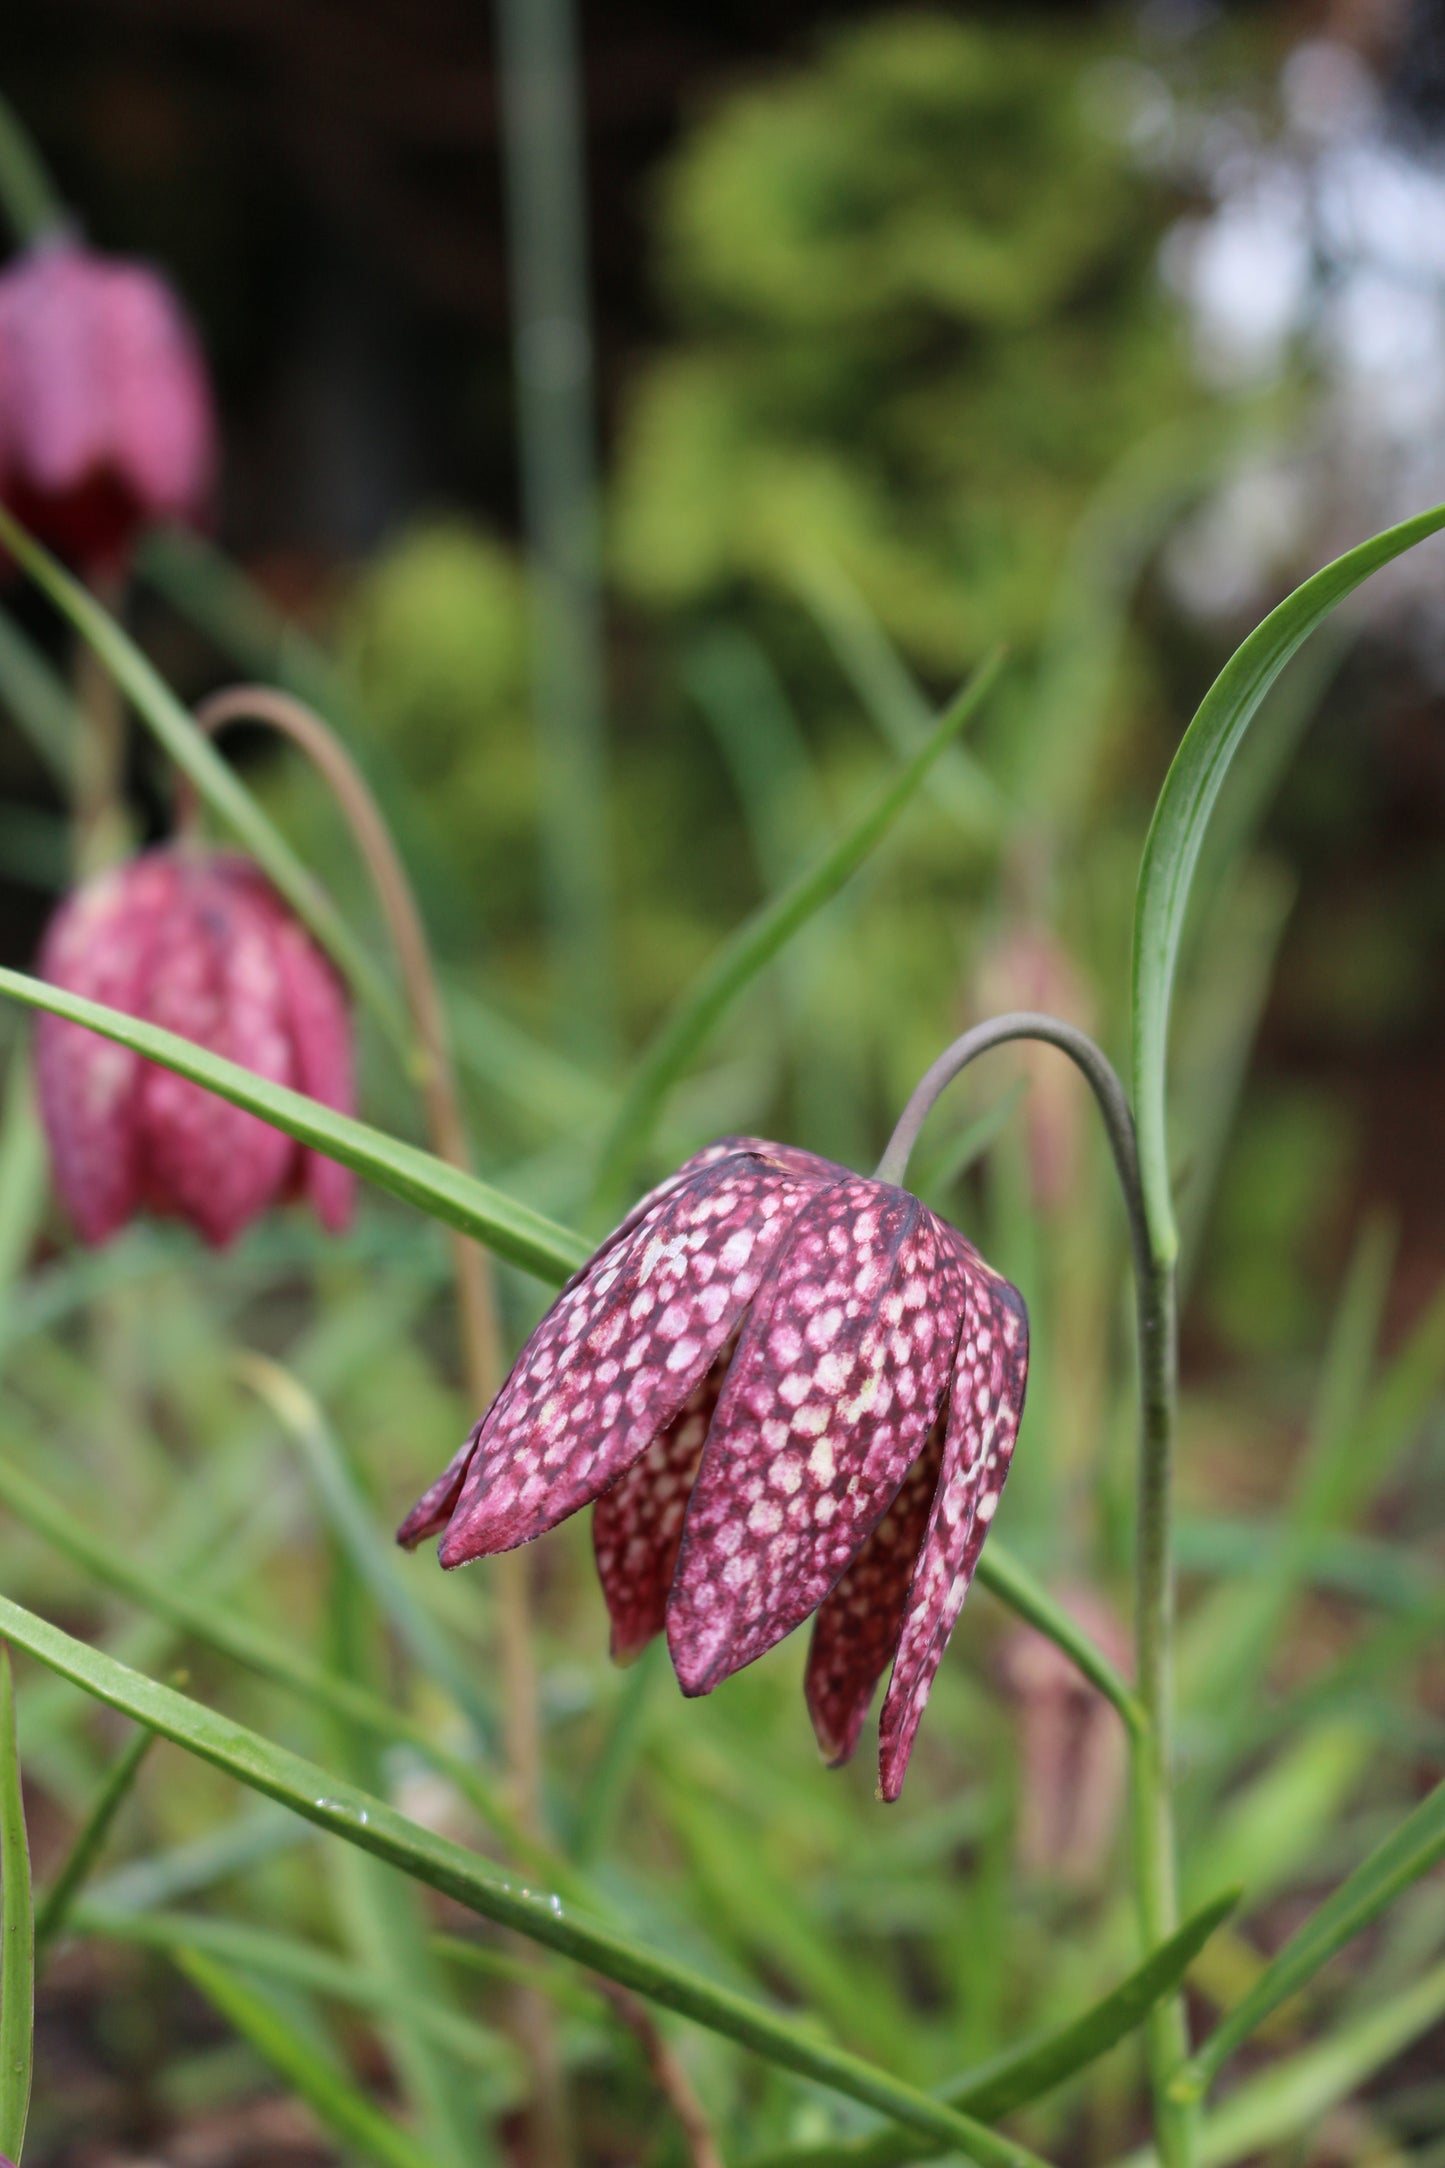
1151,1742
26,189
471,1267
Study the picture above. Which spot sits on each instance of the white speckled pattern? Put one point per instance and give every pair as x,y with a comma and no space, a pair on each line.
788,1389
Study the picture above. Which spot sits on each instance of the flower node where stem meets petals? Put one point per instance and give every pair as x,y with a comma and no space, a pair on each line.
787,1389
196,941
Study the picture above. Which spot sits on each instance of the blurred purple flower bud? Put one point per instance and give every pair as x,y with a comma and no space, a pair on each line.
788,1389
197,942
106,418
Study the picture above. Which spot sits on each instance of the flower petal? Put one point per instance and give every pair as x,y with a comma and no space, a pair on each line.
99,944
619,1352
214,979
839,1373
434,1508
855,1634
984,1410
637,1524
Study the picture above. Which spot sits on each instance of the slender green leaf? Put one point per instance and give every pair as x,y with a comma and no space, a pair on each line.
1027,2073
17,1934
1176,834
514,1231
889,693
1001,1573
760,937
263,1951
23,1183
259,1651
332,2098
35,694
194,754
1406,1854
320,1797
354,1527
74,1869
1282,2102
378,1912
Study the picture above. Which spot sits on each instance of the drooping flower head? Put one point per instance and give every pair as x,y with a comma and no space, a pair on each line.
788,1389
106,418
196,941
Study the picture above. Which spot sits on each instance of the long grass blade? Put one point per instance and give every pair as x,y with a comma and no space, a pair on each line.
1407,1853
260,1652
513,1230
762,935
1027,2073
271,1955
17,1934
332,2098
343,1811
1176,834
55,1906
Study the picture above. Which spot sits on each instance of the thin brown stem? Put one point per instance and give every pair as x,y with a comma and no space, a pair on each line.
671,2079
475,1291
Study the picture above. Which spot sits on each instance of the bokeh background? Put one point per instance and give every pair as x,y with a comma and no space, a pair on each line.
888,335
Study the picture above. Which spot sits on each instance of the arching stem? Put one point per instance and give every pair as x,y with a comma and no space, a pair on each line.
471,1267
1151,1745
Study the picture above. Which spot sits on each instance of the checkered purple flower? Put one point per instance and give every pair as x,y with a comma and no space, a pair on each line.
199,942
785,1389
106,416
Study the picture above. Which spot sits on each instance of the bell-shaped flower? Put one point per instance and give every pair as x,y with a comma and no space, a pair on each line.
196,941
787,1389
106,417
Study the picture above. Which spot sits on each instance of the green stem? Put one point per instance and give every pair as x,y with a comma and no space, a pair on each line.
1151,1736
27,192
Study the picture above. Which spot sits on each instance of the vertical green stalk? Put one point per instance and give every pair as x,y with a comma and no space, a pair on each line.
1151,1741
1151,1750
545,192
31,203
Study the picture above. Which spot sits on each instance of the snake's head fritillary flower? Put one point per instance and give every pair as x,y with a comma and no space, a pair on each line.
196,941
786,1389
106,418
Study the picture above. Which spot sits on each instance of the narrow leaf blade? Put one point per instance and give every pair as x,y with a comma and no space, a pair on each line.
762,935
513,1230
17,1934
1176,834
1407,1853
344,1811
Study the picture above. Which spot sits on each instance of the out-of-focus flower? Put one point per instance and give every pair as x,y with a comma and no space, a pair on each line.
1071,1747
196,941
106,419
789,1389
1026,967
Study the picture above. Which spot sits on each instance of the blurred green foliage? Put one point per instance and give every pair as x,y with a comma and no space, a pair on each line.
919,319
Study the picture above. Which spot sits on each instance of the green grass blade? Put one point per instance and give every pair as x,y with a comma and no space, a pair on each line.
1406,1854
1176,834
887,691
766,931
513,1230
254,1648
1001,1573
55,1905
353,1525
261,1950
325,1800
17,1934
23,1175
38,698
1281,2103
332,2098
193,753
1027,2073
